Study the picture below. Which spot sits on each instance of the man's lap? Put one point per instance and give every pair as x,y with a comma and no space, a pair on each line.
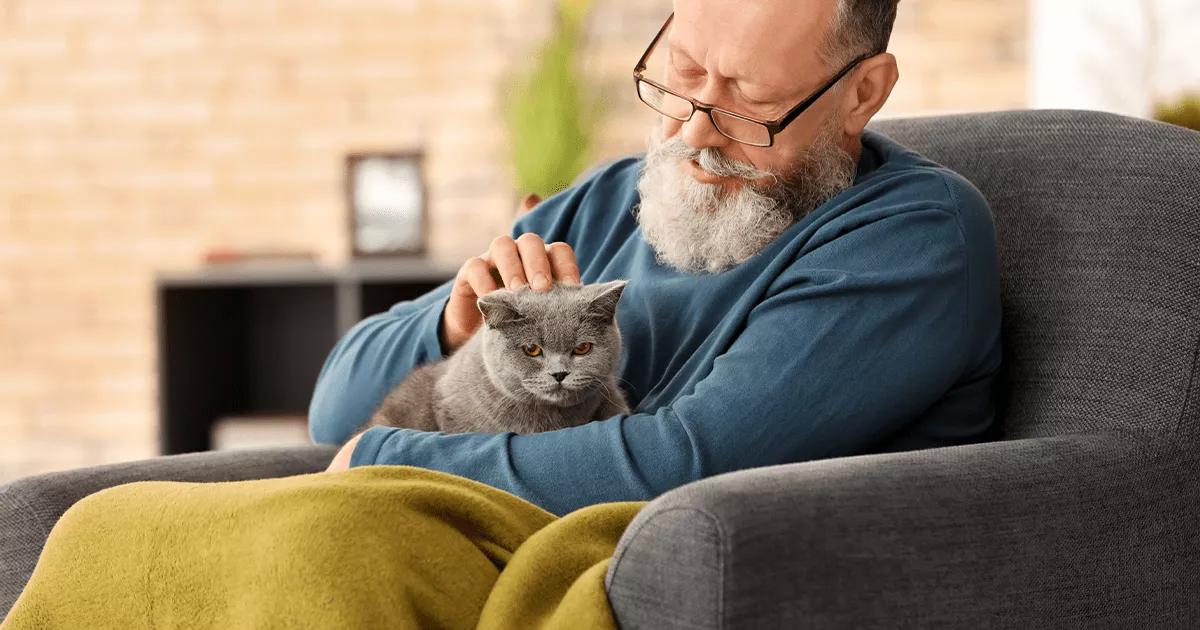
390,545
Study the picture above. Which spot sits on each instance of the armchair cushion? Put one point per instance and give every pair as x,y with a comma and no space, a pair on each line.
1072,531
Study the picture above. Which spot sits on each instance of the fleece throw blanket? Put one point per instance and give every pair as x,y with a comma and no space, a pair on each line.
371,547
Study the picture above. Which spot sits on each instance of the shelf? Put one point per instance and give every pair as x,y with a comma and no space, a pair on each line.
402,269
244,339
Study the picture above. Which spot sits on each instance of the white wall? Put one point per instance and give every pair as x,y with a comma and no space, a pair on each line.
1112,55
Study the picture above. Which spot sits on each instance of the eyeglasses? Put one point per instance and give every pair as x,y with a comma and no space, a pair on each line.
738,127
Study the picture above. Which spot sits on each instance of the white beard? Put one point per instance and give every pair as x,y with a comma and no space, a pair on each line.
696,227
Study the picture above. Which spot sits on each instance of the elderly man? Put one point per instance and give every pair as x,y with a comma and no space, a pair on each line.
800,287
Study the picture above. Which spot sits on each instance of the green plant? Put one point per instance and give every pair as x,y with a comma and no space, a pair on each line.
552,116
1184,111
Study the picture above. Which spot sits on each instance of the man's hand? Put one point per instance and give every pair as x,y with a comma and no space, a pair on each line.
341,461
508,263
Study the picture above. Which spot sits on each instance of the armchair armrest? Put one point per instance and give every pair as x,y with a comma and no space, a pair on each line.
1068,531
29,507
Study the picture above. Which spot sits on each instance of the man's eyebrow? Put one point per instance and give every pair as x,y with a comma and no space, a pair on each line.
738,81
674,48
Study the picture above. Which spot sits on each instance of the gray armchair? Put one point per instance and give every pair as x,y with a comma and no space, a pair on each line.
1084,516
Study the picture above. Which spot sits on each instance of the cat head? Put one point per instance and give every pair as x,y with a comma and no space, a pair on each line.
556,347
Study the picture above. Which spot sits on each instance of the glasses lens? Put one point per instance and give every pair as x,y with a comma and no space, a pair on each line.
663,102
742,130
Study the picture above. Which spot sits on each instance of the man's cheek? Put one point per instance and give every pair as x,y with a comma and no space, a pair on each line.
670,127
774,161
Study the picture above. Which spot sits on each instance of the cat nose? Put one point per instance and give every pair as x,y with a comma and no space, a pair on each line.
559,376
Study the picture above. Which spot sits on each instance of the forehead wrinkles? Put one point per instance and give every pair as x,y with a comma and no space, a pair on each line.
769,46
723,58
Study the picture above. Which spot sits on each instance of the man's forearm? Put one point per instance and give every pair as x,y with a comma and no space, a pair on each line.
341,461
367,361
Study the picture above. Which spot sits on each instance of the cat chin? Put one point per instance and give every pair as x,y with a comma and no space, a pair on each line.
558,398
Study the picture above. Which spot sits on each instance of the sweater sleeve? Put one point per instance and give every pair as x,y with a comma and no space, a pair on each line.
852,341
370,360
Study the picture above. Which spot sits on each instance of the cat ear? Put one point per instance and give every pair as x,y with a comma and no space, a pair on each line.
497,309
604,304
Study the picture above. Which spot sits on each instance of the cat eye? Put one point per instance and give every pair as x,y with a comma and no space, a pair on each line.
582,348
532,350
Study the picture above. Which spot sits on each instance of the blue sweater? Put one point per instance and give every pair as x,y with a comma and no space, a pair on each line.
870,325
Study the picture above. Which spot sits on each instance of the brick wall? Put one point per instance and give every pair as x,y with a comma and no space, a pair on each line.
959,55
134,135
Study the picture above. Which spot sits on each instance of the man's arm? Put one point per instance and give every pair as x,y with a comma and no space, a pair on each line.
857,338
369,360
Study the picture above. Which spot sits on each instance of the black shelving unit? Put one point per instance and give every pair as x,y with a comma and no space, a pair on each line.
249,339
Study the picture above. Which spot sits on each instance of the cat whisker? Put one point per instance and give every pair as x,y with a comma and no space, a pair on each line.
601,380
609,398
625,382
602,390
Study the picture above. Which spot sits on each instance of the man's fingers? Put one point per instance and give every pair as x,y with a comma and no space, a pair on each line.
477,273
527,260
562,261
535,260
503,253
487,258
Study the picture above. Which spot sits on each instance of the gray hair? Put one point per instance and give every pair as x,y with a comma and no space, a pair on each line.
859,26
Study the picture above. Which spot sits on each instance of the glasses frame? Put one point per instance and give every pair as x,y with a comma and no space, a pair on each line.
772,126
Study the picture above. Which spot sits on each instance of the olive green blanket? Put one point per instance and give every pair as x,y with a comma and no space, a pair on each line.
372,547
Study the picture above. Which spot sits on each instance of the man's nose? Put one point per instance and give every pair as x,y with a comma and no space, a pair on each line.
700,133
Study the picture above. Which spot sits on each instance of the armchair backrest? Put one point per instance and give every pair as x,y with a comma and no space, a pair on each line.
1098,225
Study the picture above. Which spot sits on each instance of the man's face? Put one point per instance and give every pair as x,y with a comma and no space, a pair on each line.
709,202
754,58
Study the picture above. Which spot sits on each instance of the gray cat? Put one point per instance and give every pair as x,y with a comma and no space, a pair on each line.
540,361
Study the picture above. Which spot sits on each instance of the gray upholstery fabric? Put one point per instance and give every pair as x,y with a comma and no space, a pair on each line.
1064,532
1098,228
1087,516
29,507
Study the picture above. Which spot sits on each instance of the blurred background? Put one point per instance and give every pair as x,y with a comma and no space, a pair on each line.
197,197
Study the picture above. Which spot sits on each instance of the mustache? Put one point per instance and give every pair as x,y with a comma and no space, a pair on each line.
710,160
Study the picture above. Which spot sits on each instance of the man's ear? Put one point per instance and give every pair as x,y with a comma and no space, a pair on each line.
498,309
871,85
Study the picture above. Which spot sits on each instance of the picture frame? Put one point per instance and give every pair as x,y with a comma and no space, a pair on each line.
386,202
